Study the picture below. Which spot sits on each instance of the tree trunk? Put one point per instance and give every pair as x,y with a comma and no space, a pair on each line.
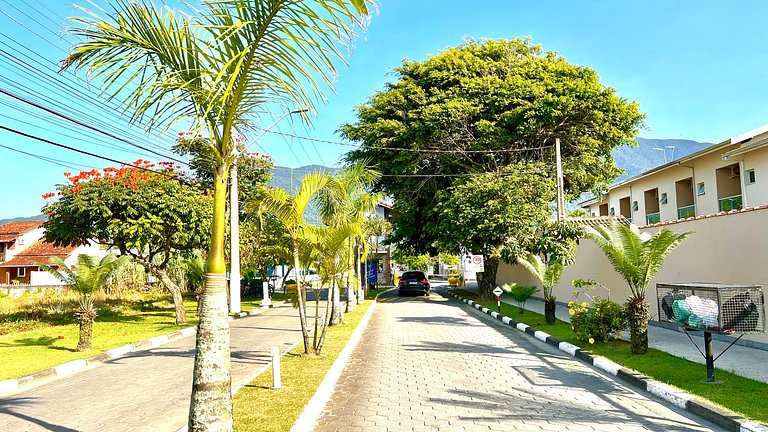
301,295
86,319
360,286
210,406
351,300
637,311
337,313
487,281
549,310
178,300
319,346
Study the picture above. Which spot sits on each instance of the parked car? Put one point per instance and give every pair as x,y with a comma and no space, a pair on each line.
413,282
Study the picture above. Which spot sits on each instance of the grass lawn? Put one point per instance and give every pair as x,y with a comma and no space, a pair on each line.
739,394
258,408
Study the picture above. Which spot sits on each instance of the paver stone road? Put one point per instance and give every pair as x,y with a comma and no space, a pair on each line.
431,364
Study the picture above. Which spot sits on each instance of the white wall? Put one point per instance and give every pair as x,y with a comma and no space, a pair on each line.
729,248
24,241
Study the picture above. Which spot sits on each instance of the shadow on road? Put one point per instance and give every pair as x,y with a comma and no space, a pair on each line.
7,408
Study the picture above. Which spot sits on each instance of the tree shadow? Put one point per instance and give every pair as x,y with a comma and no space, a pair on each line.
7,407
38,341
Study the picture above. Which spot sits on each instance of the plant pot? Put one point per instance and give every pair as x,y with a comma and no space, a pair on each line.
453,281
290,288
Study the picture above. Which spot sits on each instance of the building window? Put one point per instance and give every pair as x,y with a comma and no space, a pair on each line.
663,198
21,272
750,176
635,206
700,189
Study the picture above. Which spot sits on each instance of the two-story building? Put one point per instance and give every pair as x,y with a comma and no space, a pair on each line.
720,178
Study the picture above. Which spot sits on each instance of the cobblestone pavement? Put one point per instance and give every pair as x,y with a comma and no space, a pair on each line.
143,391
429,364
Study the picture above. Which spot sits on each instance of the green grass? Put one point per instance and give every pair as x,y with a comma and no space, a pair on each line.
739,394
259,408
46,339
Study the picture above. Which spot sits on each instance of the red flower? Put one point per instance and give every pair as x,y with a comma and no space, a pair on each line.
61,337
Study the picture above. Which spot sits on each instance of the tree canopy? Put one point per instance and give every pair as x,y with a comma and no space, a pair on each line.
481,107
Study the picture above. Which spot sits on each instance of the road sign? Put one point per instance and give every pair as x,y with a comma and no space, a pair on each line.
477,263
498,291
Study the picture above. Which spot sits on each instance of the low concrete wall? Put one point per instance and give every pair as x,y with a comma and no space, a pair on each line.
725,248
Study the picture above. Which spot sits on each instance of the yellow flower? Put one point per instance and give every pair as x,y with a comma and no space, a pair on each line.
591,340
583,304
571,311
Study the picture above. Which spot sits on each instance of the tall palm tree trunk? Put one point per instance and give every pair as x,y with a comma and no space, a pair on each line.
301,297
361,285
337,313
319,346
351,300
211,402
638,315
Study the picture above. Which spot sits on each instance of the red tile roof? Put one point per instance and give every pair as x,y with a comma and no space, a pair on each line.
39,253
13,230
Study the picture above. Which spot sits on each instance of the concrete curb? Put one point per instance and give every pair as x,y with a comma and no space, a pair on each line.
679,398
316,404
14,386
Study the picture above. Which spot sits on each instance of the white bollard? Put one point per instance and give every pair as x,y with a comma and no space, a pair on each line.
276,382
265,300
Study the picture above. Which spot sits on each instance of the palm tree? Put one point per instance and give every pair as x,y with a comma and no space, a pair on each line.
330,242
88,278
548,273
219,65
637,257
289,210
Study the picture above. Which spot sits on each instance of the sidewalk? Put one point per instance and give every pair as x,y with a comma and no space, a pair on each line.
147,390
429,364
741,360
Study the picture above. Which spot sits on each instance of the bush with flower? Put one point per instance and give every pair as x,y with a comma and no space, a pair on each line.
603,321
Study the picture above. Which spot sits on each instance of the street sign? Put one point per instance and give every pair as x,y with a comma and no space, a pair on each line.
477,263
498,291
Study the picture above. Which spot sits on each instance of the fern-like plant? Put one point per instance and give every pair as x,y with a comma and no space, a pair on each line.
521,293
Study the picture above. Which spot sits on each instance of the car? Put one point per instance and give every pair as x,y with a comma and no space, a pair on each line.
413,282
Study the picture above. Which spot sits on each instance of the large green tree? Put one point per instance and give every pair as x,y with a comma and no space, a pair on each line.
495,215
147,212
480,107
218,64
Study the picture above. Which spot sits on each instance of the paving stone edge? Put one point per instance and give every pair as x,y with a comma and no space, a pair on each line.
681,399
13,386
316,404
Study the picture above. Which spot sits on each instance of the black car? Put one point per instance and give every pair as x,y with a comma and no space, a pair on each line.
413,282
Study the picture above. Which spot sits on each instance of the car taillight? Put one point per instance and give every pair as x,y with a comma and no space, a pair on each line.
424,281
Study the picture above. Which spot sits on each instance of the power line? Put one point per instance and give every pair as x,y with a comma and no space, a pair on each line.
65,164
515,150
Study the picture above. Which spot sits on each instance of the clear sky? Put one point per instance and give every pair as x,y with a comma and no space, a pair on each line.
697,68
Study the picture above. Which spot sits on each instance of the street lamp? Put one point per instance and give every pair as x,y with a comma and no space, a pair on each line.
234,222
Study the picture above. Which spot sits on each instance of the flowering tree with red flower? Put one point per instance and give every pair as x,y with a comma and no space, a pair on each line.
146,211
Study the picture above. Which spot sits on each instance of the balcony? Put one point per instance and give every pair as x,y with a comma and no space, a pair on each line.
730,203
652,218
686,212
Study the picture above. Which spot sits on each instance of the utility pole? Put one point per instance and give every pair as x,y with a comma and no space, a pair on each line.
560,191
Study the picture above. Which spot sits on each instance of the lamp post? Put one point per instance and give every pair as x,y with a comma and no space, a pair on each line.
234,221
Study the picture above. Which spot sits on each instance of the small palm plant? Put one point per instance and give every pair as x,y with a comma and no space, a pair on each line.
521,293
548,274
88,278
637,257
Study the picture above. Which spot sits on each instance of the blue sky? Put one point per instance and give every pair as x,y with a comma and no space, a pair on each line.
697,69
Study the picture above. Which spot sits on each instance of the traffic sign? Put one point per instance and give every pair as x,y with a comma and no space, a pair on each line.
477,263
498,291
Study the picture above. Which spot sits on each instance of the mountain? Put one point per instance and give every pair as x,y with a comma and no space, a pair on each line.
23,219
290,180
644,157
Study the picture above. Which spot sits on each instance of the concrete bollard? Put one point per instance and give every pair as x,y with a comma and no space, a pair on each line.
276,381
266,302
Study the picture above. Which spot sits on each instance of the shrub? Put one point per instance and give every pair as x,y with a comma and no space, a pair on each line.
601,322
520,293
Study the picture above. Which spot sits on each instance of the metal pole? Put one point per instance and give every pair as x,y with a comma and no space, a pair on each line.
234,243
708,356
560,193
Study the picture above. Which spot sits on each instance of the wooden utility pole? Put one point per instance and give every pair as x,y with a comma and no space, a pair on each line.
560,192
